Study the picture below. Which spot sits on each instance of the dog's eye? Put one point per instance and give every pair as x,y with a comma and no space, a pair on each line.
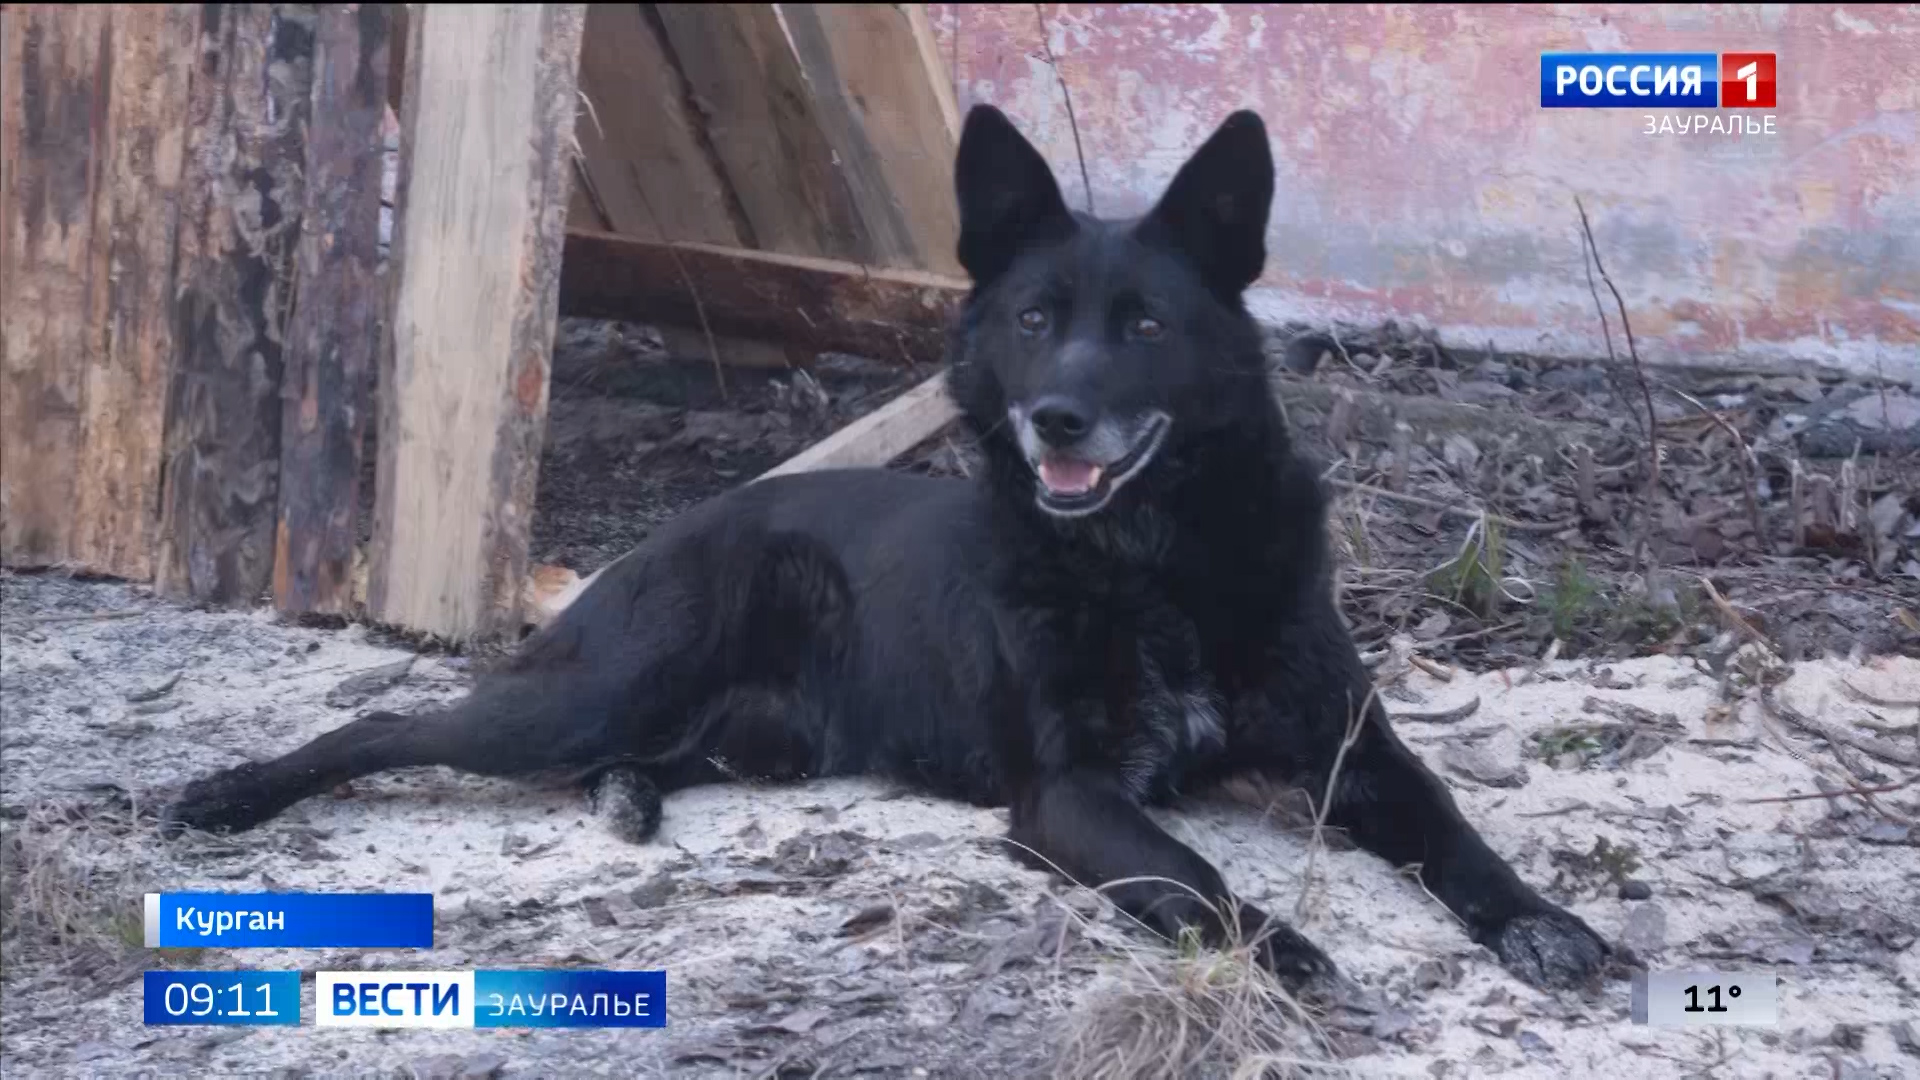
1144,327
1033,320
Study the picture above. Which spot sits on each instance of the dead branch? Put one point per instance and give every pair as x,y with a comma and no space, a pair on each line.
1354,725
1797,504
1046,43
1880,789
1465,512
1644,544
52,620
1880,702
1450,716
1733,616
1401,447
1866,744
1751,488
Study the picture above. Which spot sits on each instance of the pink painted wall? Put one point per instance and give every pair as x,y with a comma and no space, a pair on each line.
1419,178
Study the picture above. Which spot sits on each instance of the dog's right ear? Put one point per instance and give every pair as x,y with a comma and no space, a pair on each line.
1008,196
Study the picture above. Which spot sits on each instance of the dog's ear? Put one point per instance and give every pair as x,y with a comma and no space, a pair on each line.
1008,196
1215,211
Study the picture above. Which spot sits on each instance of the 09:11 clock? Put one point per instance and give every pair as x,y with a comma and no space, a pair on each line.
222,997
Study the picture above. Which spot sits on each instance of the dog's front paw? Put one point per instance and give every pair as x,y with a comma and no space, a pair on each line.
1283,951
1551,949
232,800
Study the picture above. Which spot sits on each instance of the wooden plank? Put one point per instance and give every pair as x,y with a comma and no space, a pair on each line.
488,122
127,390
89,335
880,436
241,211
765,130
820,305
890,119
928,46
50,64
333,337
643,149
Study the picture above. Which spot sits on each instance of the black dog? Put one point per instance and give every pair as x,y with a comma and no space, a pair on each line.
1134,598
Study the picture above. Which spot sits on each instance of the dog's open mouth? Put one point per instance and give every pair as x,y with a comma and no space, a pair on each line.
1070,487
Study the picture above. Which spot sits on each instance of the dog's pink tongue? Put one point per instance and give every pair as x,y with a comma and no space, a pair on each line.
1064,476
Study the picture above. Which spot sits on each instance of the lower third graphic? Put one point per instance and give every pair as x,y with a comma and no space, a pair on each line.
490,999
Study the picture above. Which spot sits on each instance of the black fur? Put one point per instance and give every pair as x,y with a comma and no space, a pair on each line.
1133,600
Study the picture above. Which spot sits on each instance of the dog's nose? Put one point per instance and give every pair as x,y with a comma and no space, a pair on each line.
1061,421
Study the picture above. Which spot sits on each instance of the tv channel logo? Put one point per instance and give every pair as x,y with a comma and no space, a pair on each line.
1747,80
1657,80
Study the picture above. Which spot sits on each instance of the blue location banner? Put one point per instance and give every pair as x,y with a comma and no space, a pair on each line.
569,998
223,998
290,920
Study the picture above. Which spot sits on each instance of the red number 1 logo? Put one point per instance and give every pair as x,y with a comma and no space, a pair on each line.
1747,80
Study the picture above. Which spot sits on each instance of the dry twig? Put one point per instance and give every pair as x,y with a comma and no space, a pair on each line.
1046,42
1644,545
1733,616
1355,723
1752,487
1466,512
1866,744
54,620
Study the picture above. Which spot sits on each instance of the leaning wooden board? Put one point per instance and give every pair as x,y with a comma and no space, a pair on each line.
476,262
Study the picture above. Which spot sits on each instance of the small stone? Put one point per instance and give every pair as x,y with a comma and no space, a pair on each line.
1481,767
1907,1038
1646,929
156,691
1635,890
358,689
1391,1023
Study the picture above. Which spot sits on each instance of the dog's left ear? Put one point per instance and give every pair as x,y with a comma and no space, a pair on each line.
1215,211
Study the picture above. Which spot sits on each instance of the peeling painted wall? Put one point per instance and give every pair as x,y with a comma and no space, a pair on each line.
1419,178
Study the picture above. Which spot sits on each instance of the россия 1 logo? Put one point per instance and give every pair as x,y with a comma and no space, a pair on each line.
1681,81
1747,80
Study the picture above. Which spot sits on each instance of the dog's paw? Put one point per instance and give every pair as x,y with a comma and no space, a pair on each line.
232,800
1551,949
627,803
1293,959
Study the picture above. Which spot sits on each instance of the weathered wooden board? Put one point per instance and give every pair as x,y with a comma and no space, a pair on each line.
487,119
50,61
241,207
332,341
891,121
91,182
880,436
822,305
644,151
761,120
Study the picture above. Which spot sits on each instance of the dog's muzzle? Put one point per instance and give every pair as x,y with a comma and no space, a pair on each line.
1081,477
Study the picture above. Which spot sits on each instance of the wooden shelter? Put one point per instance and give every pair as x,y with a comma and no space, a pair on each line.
198,322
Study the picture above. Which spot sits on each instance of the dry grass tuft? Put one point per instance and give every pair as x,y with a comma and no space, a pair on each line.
68,898
1192,1010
